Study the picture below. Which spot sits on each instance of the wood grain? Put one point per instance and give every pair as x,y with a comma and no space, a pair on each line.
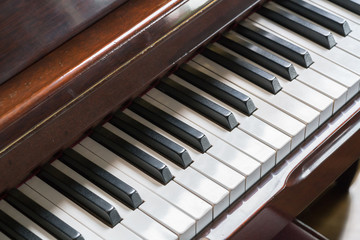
29,29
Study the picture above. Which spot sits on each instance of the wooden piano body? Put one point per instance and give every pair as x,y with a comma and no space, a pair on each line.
55,101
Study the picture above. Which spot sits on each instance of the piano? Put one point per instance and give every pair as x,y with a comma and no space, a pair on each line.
173,119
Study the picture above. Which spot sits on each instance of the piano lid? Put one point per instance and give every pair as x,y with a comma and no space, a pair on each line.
30,29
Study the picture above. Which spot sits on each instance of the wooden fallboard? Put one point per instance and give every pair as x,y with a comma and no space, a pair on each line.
29,29
52,103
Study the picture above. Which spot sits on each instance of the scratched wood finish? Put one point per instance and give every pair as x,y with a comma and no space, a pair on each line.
141,36
308,171
29,29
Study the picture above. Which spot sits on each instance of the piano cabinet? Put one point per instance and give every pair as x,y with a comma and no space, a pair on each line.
56,101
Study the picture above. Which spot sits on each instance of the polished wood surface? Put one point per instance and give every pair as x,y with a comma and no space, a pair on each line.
29,29
47,107
285,192
336,213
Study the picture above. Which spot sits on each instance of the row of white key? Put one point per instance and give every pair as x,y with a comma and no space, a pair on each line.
184,206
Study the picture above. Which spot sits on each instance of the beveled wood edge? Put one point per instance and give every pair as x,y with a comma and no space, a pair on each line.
294,194
67,126
24,92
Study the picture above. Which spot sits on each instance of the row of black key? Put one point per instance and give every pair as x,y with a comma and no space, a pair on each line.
318,15
280,46
352,5
80,195
171,150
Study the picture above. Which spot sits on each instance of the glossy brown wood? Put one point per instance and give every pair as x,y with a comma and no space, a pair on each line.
94,73
29,29
298,231
281,195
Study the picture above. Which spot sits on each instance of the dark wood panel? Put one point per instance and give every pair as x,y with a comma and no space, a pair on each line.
141,53
284,193
46,86
29,29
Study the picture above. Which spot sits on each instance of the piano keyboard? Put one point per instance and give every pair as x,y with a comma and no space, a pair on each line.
180,155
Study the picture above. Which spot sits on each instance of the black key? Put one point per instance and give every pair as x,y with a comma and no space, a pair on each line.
172,125
259,55
276,44
198,103
257,76
41,216
15,230
351,5
150,165
321,16
80,195
216,88
313,32
156,141
102,178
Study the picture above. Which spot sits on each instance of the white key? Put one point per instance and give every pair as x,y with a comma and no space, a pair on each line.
147,227
199,185
248,166
300,91
268,113
323,85
336,55
338,74
4,237
355,33
221,174
202,211
204,163
289,125
275,139
237,160
283,101
350,45
310,96
25,221
237,138
343,58
251,125
28,190
298,110
169,216
135,178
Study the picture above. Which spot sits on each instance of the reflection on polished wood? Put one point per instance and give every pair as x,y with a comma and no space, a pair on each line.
336,214
29,29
